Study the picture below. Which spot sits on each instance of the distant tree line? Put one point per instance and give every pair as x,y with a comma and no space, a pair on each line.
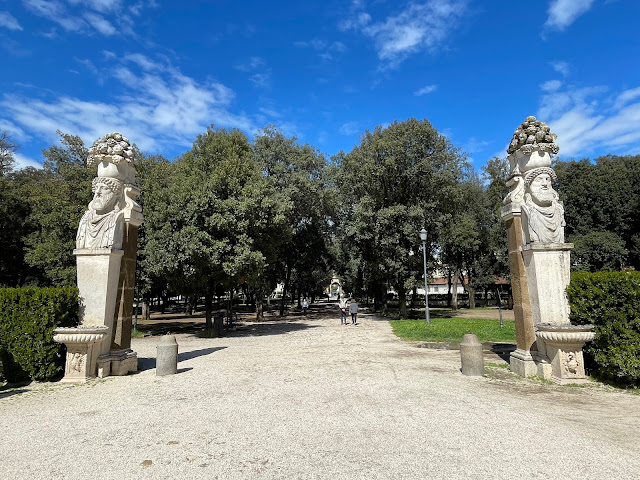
232,214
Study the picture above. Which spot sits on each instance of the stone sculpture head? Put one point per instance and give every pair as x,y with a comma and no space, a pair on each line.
539,186
107,194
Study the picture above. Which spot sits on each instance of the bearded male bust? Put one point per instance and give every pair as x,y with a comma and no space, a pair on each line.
542,213
102,224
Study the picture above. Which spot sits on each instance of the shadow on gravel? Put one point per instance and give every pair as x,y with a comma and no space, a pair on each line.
270,328
145,363
197,353
11,392
503,350
164,327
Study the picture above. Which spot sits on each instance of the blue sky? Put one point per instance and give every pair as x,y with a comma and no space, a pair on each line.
161,71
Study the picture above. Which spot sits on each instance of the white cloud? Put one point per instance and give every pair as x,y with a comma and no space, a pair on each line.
139,59
420,26
9,21
325,50
99,5
101,24
262,80
158,106
551,85
87,17
626,97
590,119
250,65
349,128
88,64
23,161
270,112
561,67
425,90
563,13
17,134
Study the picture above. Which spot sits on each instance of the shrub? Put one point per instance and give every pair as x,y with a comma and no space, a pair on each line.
27,319
610,301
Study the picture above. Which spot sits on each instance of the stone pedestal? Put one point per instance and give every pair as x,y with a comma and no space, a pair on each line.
98,273
548,268
563,345
83,347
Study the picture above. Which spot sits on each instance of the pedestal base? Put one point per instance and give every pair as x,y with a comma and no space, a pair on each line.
117,363
563,346
83,348
522,363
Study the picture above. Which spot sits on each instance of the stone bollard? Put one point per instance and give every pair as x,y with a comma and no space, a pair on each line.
471,355
167,356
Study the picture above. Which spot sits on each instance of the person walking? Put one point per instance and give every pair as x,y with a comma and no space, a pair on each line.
353,310
305,306
342,303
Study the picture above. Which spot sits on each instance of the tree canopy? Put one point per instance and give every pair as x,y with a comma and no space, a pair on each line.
234,213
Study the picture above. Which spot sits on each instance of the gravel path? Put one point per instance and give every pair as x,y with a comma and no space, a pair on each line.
309,398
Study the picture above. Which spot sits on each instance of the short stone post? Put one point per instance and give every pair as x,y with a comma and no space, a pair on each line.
471,355
167,356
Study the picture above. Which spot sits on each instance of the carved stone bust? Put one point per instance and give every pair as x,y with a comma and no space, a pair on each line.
101,225
114,190
542,213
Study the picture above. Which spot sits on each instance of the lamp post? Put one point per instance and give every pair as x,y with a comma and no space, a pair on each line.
423,237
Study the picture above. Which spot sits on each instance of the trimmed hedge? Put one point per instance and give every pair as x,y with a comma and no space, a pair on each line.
27,319
610,301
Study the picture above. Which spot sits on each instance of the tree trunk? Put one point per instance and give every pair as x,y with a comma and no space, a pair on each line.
472,296
378,298
454,293
449,297
402,306
285,290
470,289
259,301
208,309
146,314
164,304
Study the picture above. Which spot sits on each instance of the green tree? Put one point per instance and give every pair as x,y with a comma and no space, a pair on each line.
601,196
207,227
152,175
57,201
297,172
597,251
397,181
7,150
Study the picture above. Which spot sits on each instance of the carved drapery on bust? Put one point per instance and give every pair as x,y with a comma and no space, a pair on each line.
102,225
542,213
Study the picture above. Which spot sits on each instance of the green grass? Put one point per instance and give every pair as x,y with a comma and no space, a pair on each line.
453,329
497,365
137,333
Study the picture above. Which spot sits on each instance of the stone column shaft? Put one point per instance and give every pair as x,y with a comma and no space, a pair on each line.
525,333
121,338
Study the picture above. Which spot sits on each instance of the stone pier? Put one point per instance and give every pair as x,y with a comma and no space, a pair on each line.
539,259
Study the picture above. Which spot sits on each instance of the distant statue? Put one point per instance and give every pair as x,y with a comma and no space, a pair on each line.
543,214
102,224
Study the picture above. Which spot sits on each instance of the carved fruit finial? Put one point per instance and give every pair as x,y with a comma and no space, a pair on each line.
534,133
